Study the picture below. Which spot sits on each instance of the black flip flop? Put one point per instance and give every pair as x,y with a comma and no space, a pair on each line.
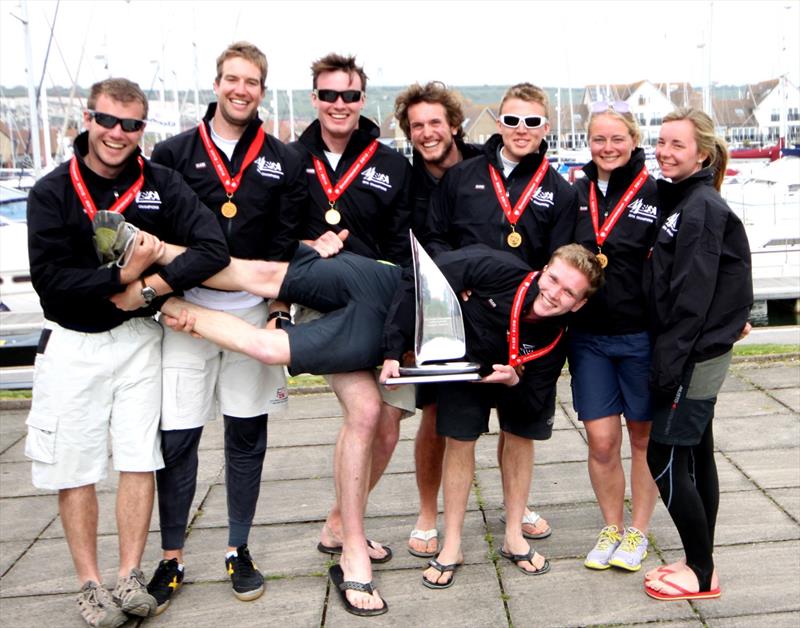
518,558
442,569
336,575
337,549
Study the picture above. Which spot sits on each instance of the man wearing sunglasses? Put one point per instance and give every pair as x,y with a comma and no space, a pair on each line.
99,362
509,198
359,185
256,189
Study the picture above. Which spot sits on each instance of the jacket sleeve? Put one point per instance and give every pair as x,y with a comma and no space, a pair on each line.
163,155
191,224
291,210
438,218
394,240
52,256
698,247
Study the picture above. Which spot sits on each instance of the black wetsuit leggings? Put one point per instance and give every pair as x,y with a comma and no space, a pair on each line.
245,446
687,480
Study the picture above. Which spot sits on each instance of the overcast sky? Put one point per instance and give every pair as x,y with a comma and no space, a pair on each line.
566,43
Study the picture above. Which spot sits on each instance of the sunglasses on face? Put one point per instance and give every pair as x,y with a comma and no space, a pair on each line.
620,106
349,96
107,121
530,122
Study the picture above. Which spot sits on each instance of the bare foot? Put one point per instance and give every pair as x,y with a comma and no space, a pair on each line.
331,539
537,529
359,570
446,557
681,584
536,562
658,571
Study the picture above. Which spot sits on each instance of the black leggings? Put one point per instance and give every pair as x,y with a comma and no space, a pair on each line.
245,447
687,480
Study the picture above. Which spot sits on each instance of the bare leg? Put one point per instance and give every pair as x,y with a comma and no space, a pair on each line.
428,454
605,467
541,524
78,510
643,489
134,507
459,469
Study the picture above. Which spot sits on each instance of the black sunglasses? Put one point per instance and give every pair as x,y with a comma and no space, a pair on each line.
330,95
530,122
107,121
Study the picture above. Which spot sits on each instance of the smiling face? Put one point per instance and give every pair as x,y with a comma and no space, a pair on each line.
338,119
239,92
522,141
677,152
431,134
562,289
611,144
109,149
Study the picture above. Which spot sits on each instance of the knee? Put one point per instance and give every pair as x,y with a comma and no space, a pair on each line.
246,436
604,451
179,445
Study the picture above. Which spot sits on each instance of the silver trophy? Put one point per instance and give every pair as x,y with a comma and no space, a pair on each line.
439,331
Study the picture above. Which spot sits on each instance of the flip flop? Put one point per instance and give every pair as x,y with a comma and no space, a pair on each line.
337,549
531,519
442,569
518,558
423,535
682,594
336,575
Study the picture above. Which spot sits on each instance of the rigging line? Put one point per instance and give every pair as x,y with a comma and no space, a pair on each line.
47,52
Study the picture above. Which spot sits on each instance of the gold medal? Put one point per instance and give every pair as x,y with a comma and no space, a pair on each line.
602,260
514,239
228,209
332,216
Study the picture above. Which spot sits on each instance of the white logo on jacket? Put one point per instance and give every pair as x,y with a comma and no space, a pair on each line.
542,198
375,179
148,200
638,210
671,225
266,168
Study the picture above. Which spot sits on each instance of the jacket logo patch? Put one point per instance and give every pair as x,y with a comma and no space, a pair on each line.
148,200
671,225
525,349
266,168
480,186
542,198
638,210
200,165
583,208
375,179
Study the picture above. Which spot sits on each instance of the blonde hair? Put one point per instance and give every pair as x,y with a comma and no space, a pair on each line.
706,139
584,261
529,93
119,89
626,118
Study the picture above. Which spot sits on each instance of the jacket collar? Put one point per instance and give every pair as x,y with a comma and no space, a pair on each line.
365,132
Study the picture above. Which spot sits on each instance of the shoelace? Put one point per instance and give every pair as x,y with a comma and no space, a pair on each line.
130,583
246,567
162,578
93,597
631,540
607,538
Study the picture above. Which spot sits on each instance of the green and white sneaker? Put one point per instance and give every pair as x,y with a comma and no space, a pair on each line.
631,551
607,542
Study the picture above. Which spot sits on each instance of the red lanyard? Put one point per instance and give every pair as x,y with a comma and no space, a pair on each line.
333,192
514,358
230,184
513,214
120,205
601,233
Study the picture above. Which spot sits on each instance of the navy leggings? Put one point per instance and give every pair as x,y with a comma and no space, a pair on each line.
245,447
687,480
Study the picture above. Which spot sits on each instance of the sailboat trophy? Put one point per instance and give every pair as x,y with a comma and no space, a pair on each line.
439,331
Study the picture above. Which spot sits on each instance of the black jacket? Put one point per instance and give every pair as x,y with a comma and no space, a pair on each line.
64,265
493,278
376,207
698,281
270,198
424,183
620,306
464,209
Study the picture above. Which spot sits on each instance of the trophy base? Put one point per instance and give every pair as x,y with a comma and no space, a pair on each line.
433,373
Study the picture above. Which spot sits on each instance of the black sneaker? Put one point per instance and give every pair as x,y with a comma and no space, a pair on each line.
166,580
248,583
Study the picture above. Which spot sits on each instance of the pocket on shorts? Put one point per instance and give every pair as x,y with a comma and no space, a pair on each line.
708,376
40,443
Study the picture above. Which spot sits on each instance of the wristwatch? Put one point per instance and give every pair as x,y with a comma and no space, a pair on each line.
148,292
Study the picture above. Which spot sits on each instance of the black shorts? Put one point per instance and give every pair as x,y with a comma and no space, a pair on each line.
682,418
354,294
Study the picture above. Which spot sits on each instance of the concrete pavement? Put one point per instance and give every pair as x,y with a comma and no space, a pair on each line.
757,433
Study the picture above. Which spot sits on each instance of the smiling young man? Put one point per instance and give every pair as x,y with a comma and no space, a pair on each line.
358,184
99,362
255,188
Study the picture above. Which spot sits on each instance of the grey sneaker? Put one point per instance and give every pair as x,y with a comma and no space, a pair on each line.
98,608
631,551
607,542
132,597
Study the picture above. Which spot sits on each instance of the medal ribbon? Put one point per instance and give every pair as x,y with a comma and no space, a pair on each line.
231,184
514,359
601,233
513,214
120,205
333,192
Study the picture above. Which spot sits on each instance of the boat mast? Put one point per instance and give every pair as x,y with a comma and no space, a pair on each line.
34,130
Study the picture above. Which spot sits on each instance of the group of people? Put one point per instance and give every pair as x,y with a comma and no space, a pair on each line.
645,286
